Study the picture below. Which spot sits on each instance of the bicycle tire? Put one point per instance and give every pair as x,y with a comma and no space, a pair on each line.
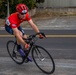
15,55
48,65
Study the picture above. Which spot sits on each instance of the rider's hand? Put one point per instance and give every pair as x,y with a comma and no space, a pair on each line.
42,35
27,46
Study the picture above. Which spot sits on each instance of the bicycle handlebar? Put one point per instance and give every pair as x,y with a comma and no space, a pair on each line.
33,36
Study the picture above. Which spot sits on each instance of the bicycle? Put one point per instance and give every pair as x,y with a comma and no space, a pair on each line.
40,55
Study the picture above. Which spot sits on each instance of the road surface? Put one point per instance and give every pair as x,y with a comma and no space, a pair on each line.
62,49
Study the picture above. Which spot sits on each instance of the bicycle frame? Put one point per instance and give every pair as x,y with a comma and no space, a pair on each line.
32,45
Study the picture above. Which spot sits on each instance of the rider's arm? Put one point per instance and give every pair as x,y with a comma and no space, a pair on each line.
18,36
33,25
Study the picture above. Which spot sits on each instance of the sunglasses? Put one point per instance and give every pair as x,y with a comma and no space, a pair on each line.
22,13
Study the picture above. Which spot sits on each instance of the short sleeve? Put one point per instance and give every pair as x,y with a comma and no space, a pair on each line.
13,24
28,17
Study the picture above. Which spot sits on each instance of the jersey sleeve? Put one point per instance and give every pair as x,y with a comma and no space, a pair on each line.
28,17
13,24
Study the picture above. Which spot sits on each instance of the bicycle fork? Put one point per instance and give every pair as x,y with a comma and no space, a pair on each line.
39,54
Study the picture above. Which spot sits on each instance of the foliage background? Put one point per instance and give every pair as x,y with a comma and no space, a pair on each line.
12,5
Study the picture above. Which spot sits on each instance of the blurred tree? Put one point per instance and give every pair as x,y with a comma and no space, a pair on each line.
3,8
12,5
30,3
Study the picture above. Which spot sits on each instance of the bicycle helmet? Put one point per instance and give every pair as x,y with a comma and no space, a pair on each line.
22,8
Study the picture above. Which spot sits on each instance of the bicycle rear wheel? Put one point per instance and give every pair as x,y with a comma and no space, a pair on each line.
14,54
43,60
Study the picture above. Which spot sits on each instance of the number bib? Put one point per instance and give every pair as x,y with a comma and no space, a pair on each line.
8,22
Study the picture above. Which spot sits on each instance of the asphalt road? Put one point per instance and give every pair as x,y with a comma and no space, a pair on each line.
63,67
58,47
61,46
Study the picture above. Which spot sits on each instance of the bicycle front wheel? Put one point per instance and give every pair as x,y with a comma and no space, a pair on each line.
14,54
43,60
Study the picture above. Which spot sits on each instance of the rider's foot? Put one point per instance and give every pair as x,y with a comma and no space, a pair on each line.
21,52
19,49
28,58
24,53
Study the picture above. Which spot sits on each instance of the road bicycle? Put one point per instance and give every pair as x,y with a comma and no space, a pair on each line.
40,55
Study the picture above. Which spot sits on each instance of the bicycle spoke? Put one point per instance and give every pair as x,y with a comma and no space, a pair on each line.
39,54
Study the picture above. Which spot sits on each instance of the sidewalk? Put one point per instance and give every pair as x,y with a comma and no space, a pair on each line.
58,23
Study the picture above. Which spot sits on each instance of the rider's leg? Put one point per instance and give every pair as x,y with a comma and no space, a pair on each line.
18,43
10,31
22,34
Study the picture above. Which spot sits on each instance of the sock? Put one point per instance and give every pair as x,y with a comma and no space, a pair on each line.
19,47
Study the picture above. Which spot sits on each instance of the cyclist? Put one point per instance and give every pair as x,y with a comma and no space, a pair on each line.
12,25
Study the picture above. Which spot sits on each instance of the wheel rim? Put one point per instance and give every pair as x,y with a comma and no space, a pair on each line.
44,62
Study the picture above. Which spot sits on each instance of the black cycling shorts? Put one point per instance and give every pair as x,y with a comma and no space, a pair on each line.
9,29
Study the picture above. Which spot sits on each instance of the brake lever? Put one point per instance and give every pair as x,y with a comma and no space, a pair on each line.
43,35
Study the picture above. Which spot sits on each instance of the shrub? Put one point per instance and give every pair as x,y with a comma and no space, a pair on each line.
30,3
12,4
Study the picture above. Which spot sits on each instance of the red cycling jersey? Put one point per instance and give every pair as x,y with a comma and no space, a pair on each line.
13,20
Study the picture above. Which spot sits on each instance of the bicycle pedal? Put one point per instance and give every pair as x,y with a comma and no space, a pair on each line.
26,61
14,55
